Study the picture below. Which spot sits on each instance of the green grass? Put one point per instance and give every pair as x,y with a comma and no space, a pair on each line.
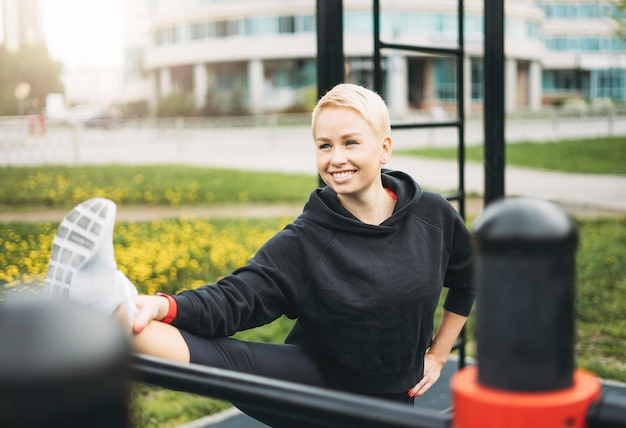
60,186
593,155
164,408
601,296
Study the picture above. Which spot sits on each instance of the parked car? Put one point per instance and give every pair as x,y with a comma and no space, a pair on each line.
103,121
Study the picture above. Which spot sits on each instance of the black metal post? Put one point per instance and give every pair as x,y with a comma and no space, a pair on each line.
320,407
525,271
62,365
378,70
330,59
494,100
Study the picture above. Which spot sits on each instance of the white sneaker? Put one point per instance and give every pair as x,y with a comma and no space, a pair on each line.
82,265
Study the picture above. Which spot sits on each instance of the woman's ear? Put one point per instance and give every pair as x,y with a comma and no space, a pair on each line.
386,150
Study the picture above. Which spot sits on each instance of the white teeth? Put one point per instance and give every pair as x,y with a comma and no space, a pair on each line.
342,174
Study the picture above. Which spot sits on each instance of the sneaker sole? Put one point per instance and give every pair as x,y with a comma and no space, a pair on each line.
77,239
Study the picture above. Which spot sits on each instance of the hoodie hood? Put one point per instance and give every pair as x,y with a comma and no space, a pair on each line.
325,209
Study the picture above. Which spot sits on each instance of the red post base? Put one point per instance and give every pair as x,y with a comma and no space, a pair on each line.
477,406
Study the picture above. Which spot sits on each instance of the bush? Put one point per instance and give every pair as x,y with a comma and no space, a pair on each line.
176,105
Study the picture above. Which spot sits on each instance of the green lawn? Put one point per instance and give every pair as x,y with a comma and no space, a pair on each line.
594,155
172,185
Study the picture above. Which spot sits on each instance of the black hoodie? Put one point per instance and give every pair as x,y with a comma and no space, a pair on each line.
364,296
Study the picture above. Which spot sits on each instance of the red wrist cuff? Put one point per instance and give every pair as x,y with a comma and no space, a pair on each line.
172,310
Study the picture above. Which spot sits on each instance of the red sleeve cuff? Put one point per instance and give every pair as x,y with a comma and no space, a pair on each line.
173,308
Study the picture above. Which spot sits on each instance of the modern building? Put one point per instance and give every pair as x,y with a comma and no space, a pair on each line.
21,23
259,56
583,55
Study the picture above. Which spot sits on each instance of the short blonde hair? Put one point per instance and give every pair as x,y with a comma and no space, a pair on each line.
366,102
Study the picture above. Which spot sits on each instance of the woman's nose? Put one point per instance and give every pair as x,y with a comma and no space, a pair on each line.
338,156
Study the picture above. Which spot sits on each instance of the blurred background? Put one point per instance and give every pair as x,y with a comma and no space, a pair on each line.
84,60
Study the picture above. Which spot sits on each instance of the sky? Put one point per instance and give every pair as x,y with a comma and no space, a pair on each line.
83,33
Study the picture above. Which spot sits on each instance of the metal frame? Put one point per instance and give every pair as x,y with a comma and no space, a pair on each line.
494,109
320,406
459,54
338,409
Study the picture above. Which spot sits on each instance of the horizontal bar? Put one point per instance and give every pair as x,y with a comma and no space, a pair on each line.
456,196
322,406
458,344
406,125
424,49
608,412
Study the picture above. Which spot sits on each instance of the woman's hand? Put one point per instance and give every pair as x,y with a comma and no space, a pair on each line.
432,370
149,308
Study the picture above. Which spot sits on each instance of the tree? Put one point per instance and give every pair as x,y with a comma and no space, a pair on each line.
31,64
619,16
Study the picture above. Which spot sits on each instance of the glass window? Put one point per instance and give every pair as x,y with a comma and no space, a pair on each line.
445,79
221,29
305,24
514,28
547,80
449,23
474,25
548,9
560,10
610,83
476,70
589,10
261,25
286,25
238,27
561,81
198,31
358,22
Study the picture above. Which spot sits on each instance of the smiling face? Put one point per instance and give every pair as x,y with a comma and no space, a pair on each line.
349,153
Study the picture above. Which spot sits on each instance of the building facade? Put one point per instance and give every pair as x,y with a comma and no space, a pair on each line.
258,56
21,23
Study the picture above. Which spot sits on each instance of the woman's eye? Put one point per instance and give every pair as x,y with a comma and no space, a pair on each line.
324,146
350,142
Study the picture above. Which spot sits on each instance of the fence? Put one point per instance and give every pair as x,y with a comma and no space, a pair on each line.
214,141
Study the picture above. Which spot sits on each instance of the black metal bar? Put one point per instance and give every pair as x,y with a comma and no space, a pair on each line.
378,73
412,125
418,48
460,78
316,405
459,54
608,412
494,100
454,196
330,58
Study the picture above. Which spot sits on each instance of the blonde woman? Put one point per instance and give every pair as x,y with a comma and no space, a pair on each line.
361,270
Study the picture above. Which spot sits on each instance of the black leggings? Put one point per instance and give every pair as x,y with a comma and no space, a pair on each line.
277,361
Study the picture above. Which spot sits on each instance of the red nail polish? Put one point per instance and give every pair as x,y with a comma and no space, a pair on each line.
138,329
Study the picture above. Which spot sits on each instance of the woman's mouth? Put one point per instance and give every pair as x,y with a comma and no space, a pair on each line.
342,174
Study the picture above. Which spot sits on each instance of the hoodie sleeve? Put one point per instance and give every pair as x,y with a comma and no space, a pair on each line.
460,273
253,295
